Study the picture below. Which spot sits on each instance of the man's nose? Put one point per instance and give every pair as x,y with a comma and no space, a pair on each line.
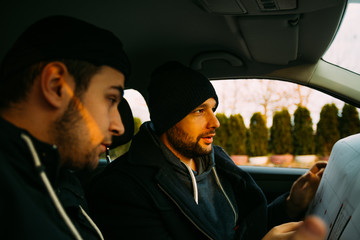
214,122
116,125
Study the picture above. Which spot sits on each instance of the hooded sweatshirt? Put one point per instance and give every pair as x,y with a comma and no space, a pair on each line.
207,189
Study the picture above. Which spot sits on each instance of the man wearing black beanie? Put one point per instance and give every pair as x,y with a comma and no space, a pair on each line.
174,184
60,87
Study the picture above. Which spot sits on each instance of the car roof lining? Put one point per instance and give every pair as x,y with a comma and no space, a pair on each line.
187,31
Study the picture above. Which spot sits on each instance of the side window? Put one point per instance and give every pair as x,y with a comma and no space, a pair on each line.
345,48
280,124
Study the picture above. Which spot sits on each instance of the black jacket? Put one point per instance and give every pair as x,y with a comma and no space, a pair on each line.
26,209
138,196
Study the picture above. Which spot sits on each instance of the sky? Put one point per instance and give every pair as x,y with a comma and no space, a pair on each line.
344,51
247,108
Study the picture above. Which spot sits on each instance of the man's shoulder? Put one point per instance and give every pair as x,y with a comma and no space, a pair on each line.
219,151
117,172
118,179
222,158
16,169
120,164
225,164
7,171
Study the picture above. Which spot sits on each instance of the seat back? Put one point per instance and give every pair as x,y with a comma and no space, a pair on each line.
127,118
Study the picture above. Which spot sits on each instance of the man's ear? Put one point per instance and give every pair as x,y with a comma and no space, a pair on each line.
55,83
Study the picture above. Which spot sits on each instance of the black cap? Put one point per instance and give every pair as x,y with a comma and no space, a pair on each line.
63,37
174,91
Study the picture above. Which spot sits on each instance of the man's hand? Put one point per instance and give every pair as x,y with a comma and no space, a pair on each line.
303,190
312,228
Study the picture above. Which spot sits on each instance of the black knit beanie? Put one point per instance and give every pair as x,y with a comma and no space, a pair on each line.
63,37
174,91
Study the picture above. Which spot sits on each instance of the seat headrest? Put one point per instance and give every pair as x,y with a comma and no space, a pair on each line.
128,121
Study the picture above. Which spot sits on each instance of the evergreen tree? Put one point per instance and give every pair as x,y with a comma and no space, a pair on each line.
349,122
280,133
303,133
327,131
237,138
258,135
222,133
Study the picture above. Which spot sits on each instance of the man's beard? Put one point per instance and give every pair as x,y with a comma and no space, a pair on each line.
184,144
70,137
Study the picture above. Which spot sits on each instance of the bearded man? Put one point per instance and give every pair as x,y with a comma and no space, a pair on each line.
175,184
60,87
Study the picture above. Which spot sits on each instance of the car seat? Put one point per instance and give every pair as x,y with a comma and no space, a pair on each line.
127,118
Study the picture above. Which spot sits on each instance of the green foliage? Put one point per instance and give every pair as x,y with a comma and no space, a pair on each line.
258,136
119,151
280,133
349,122
299,139
236,144
137,124
303,133
222,133
327,132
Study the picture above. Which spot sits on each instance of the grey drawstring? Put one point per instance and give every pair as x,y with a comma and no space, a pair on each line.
194,184
91,222
49,188
53,195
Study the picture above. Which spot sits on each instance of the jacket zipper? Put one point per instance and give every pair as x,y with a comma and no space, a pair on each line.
172,199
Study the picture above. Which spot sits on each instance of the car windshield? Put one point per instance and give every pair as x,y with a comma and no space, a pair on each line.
247,97
345,49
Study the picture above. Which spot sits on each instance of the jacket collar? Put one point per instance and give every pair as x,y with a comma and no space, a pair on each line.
151,155
149,145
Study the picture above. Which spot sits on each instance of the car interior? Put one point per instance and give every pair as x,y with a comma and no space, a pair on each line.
223,39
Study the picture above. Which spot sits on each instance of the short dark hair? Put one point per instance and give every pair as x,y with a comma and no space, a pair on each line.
18,85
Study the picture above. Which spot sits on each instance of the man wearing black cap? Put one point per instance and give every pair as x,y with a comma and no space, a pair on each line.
174,184
60,85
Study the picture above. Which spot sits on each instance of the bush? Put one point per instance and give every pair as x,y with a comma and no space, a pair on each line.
303,133
258,136
280,133
120,150
237,139
222,133
137,124
327,132
349,122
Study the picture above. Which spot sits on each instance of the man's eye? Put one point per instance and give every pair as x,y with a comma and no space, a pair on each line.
199,111
113,100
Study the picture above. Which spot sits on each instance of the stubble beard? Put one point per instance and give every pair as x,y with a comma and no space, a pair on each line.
68,132
184,144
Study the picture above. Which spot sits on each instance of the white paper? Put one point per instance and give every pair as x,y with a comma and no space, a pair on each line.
337,200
